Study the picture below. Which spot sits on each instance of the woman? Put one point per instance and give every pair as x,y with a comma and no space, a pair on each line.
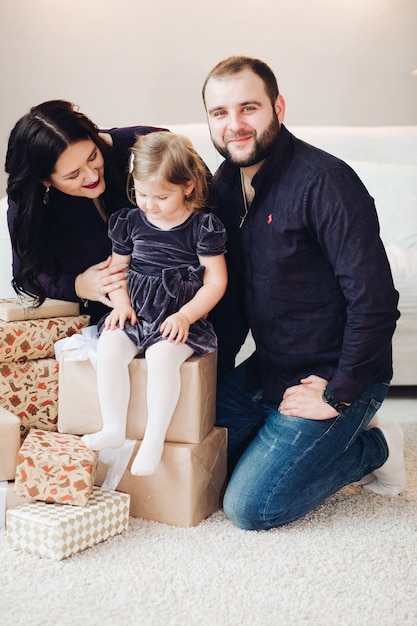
65,179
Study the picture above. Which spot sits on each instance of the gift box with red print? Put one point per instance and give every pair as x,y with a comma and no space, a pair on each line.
30,391
34,339
54,467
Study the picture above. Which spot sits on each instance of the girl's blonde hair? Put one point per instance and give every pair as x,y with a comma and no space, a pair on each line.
174,159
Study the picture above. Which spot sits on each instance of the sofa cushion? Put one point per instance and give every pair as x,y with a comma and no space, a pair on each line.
379,144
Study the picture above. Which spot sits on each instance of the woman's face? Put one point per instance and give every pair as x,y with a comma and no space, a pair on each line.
79,171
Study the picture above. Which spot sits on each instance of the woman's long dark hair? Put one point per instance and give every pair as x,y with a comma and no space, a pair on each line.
35,144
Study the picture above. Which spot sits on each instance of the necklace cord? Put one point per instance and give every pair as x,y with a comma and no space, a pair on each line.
245,201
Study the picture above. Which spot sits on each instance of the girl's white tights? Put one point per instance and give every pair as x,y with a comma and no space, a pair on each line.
114,353
164,359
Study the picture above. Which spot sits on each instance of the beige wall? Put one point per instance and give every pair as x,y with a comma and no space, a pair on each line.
346,62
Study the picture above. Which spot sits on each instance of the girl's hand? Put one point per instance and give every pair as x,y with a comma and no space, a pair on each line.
119,315
96,282
175,328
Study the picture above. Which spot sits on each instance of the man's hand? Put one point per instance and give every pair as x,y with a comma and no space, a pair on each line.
305,400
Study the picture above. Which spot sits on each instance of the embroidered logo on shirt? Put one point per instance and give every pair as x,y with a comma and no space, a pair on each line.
269,218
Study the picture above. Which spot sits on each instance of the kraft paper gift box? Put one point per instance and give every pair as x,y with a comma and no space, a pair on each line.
22,308
194,416
9,444
55,468
186,487
56,531
9,500
30,391
34,339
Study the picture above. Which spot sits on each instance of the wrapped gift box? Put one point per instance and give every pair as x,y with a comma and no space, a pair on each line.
186,487
193,418
55,468
9,444
30,391
22,308
9,500
34,339
56,531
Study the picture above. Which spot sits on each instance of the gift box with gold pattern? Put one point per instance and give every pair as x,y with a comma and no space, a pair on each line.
186,487
22,308
30,391
55,468
193,418
56,531
34,339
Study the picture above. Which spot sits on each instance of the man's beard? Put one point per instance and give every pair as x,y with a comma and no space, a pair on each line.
260,151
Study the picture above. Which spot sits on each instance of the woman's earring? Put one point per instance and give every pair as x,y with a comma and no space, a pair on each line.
45,198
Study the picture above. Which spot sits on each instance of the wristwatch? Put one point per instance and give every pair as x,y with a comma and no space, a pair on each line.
340,407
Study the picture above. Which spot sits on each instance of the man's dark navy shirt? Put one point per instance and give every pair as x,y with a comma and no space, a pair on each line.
308,274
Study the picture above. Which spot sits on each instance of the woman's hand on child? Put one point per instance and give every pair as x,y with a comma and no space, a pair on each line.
175,328
99,280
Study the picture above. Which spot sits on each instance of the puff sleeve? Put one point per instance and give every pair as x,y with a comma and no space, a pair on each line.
212,236
120,232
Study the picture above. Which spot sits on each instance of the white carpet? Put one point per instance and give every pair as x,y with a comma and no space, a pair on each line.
353,562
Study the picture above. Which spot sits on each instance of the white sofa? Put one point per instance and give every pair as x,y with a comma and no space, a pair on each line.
385,158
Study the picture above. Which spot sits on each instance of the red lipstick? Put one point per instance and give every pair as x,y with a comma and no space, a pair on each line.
93,185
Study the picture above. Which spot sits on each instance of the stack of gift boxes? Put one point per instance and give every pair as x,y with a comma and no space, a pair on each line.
53,486
28,368
188,482
40,469
68,514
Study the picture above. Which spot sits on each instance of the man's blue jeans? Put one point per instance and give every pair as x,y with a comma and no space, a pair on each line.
282,467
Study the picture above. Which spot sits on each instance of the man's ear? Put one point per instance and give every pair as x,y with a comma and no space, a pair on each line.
280,108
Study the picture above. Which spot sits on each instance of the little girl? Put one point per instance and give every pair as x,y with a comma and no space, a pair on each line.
177,275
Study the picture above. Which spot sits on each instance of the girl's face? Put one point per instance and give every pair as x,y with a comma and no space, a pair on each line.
79,171
162,201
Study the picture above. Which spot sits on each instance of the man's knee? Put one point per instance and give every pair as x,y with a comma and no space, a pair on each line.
248,512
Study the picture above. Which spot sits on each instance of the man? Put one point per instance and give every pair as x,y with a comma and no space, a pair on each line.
308,275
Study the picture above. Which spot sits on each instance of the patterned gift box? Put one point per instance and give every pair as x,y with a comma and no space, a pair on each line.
55,468
56,531
186,487
15,309
9,444
34,339
30,391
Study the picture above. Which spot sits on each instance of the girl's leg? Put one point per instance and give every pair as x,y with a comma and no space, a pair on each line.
164,360
114,353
